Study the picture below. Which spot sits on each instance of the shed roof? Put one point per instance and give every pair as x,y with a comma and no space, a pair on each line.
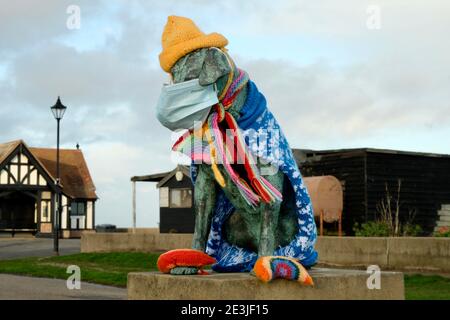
161,177
300,153
150,177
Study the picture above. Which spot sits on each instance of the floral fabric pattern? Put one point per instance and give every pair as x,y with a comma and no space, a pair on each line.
256,121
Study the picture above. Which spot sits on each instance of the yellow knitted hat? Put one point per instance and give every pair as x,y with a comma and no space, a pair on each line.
181,36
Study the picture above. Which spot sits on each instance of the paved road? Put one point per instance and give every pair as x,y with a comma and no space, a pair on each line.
14,248
28,288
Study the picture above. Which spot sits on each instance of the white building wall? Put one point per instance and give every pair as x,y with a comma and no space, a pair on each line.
14,169
23,158
42,181
33,177
23,174
3,177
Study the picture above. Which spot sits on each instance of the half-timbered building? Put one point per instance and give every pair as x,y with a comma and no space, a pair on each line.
28,190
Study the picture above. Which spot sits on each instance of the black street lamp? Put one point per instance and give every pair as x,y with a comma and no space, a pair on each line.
58,111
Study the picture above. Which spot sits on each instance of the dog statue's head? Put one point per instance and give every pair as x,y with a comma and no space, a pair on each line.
205,59
209,65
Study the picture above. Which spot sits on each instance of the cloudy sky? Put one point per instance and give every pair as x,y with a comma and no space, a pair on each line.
337,74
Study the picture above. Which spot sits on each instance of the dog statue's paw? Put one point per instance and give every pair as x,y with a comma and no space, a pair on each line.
270,267
184,270
184,262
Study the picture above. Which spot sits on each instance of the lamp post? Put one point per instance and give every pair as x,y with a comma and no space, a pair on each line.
58,111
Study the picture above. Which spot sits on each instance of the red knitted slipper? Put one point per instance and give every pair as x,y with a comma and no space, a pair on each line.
184,258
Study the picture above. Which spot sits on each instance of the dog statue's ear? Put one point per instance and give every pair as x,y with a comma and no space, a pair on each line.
214,66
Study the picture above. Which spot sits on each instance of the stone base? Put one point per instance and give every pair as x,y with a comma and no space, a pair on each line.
330,284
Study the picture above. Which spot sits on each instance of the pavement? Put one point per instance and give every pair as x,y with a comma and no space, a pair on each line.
27,288
15,248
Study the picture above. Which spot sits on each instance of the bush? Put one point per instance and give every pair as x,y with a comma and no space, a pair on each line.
411,230
382,229
442,232
371,229
387,223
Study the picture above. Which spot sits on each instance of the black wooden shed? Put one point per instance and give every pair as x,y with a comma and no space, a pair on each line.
176,213
364,174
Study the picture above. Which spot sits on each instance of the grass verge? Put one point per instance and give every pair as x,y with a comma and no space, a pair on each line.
427,287
112,269
103,268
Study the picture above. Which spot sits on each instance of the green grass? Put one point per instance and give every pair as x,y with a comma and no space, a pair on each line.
112,269
427,287
102,268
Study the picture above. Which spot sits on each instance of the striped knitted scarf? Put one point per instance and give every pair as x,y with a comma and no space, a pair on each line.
220,141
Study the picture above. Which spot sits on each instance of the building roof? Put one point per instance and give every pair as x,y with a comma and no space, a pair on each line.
301,153
162,177
76,180
180,168
75,177
151,177
7,148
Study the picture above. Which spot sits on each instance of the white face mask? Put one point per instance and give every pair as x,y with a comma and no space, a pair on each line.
183,104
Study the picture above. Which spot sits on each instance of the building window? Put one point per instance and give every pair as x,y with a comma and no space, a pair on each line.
46,210
46,206
164,197
77,208
181,198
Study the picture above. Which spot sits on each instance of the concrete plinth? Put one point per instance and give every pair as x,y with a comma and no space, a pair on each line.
330,284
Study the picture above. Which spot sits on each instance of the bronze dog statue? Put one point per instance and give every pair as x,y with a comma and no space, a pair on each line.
258,228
